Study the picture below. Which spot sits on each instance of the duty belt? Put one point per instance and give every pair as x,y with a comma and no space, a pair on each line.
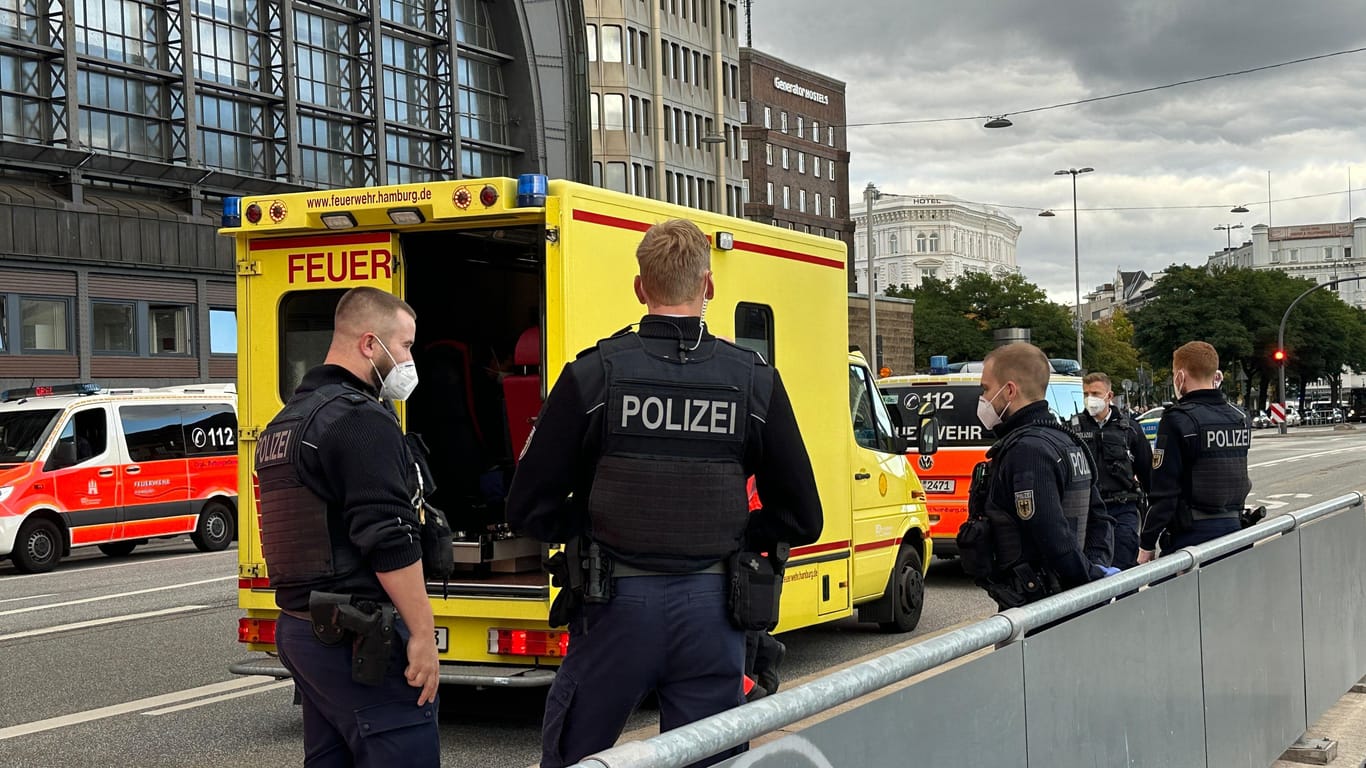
1214,514
621,570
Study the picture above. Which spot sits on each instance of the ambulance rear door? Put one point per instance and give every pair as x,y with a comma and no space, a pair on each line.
288,289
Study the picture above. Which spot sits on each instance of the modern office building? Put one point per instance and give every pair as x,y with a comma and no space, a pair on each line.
795,157
935,236
1320,252
123,123
665,108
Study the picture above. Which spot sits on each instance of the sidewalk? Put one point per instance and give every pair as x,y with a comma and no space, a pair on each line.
1345,723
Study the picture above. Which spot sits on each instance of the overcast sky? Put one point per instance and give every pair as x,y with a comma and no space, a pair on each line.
1203,144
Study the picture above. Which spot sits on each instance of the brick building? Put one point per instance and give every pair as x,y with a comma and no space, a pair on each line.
895,331
794,153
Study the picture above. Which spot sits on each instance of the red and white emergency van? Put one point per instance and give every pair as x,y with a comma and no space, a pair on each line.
80,465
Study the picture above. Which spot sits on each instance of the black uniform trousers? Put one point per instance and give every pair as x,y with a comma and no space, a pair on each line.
1202,531
1125,514
349,724
665,633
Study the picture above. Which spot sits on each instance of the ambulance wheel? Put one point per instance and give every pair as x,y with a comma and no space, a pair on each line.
38,547
906,591
215,528
119,548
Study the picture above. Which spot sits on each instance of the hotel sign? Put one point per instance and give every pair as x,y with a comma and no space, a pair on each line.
800,90
1310,231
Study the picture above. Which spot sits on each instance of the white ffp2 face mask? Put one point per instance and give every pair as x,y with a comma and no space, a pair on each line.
986,412
1094,405
401,380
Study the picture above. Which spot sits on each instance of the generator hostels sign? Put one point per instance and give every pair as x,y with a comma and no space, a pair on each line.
800,90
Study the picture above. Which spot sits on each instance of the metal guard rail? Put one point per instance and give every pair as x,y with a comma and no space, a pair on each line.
722,731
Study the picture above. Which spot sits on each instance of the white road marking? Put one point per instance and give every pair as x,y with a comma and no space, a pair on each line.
116,596
76,718
99,622
30,597
172,556
216,699
1302,456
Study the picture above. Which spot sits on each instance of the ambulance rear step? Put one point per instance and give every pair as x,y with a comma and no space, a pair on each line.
478,675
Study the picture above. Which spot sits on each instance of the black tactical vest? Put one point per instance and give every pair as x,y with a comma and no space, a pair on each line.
1215,481
1109,444
669,490
302,545
1010,547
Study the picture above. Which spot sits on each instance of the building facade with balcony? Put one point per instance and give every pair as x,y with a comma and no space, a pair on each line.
936,236
795,157
1319,252
123,124
664,112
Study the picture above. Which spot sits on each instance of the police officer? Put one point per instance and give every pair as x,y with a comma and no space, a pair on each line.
1200,479
1123,462
642,449
1048,527
339,523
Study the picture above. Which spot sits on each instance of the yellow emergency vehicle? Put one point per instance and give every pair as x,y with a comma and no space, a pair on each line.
508,288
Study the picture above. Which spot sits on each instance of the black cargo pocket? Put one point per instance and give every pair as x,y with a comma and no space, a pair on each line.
399,733
556,713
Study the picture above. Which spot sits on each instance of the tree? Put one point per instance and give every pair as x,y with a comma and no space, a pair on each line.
1110,349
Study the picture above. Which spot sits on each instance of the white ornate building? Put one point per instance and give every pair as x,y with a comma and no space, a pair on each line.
936,236
1319,252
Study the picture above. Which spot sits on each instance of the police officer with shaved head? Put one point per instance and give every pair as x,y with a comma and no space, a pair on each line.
1036,523
1199,479
638,462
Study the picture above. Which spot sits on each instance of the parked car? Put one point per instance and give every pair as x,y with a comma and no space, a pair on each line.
1292,416
1260,420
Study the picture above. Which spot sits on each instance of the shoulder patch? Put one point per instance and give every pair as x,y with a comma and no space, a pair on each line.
1024,504
1157,457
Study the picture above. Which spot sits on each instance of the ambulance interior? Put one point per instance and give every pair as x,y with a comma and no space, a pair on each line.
477,293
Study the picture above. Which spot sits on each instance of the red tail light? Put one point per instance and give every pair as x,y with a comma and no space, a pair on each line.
256,631
257,583
528,642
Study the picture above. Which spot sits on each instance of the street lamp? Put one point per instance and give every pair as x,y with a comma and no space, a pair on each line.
870,194
1076,250
1228,234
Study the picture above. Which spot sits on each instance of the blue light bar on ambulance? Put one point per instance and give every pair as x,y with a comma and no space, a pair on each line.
531,190
232,211
49,391
939,364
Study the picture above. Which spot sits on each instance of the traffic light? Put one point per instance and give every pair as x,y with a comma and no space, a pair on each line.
1279,356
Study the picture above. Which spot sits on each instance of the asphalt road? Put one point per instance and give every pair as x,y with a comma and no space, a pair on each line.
124,662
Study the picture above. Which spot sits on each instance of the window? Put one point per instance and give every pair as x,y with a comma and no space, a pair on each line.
1276,256
43,325
4,325
768,153
222,332
815,166
744,151
832,207
934,241
801,126
84,437
768,117
801,200
616,176
892,243
801,162
1294,255
787,196
113,328
611,44
614,112
929,273
815,131
305,334
594,111
744,111
644,50
754,329
592,42
170,330
210,429
769,197
1328,253
872,424
782,121
831,133
818,203
831,166
744,190
784,158
152,432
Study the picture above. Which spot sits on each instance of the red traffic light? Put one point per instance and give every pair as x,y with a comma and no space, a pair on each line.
1279,355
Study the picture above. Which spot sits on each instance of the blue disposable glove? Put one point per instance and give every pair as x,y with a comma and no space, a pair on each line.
1108,570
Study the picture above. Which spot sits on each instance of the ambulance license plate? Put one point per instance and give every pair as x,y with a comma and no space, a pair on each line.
939,486
443,639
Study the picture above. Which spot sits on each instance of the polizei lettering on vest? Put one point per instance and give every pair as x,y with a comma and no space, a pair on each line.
272,446
1228,438
708,417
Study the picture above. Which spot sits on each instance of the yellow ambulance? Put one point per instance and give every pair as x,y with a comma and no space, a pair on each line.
510,280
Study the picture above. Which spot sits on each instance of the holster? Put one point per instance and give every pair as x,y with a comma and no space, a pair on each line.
1251,516
368,624
567,574
756,587
599,570
1021,585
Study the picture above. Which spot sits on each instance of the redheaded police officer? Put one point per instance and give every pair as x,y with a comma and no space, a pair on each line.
654,433
1200,479
339,527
